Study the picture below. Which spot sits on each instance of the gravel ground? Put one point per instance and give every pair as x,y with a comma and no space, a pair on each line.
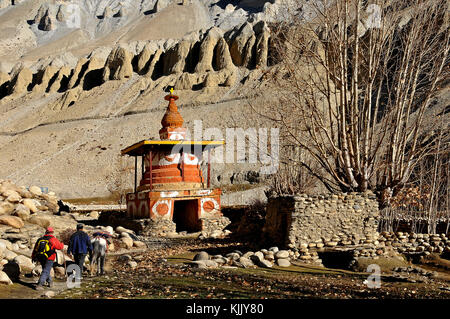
162,273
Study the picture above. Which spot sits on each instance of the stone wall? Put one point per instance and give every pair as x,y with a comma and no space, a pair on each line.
209,225
410,243
304,221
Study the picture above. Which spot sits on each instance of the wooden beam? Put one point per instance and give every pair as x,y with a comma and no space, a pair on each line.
150,155
135,174
209,167
182,165
142,166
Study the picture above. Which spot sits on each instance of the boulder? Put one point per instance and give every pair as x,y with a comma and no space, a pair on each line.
220,260
245,262
12,221
94,214
283,262
282,254
120,229
11,193
4,279
203,255
211,263
270,256
49,294
139,244
24,193
14,198
233,256
248,254
257,257
36,191
127,241
6,208
199,264
39,220
5,244
124,235
60,271
109,230
30,204
25,263
22,212
42,207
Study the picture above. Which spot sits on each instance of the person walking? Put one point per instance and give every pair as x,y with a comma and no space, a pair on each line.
79,246
44,252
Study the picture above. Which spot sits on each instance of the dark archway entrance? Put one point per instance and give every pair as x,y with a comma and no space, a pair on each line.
186,217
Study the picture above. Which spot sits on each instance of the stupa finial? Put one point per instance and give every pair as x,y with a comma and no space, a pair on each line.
172,118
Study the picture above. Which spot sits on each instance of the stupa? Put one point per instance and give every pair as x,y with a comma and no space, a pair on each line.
172,186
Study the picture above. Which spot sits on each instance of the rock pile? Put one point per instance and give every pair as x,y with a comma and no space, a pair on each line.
24,215
264,258
19,205
415,243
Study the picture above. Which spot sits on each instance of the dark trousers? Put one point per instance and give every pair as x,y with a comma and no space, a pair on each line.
79,260
45,274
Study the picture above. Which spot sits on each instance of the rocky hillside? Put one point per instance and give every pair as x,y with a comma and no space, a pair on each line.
81,80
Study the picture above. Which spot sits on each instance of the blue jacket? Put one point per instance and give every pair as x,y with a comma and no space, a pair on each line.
80,243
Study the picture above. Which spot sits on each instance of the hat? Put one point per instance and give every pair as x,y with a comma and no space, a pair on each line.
49,230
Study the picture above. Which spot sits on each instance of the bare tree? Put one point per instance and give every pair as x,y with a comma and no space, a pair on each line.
353,87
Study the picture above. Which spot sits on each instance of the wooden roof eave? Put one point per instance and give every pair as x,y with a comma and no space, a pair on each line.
142,147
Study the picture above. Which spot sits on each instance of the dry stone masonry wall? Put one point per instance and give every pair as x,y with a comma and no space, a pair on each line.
311,225
322,221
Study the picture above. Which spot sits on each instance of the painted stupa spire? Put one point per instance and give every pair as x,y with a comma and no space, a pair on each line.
172,121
